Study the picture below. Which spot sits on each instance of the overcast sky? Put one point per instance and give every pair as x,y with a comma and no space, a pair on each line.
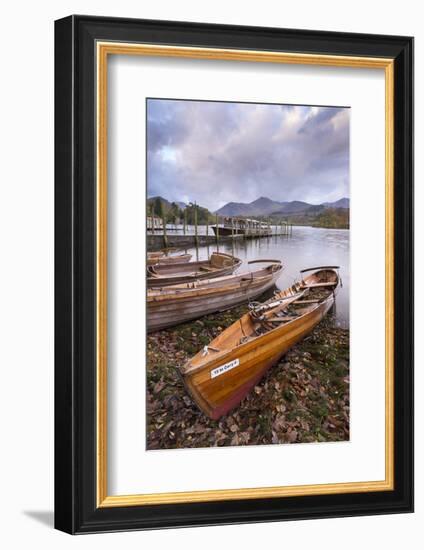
215,152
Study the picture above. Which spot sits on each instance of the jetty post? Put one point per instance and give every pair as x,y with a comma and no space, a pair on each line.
165,236
185,222
217,230
152,218
196,238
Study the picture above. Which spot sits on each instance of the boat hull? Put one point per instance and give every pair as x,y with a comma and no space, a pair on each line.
166,260
174,280
192,304
217,394
219,265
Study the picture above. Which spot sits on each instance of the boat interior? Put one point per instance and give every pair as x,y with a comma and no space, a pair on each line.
286,306
230,280
216,261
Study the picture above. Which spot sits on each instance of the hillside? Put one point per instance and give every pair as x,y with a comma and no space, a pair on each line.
264,206
337,218
259,207
341,203
321,216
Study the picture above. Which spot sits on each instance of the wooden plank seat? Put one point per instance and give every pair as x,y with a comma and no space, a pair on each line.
282,319
317,285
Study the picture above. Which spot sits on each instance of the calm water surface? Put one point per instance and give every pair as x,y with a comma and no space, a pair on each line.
306,247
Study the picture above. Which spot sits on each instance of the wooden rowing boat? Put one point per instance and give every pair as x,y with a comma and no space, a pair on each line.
218,265
180,303
222,374
154,258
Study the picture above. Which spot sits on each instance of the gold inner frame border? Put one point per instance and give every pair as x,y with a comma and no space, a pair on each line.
103,50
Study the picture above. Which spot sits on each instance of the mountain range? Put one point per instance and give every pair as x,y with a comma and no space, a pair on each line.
264,206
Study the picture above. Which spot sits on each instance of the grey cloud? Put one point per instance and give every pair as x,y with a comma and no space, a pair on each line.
215,152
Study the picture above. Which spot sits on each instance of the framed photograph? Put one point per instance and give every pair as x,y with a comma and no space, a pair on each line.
234,274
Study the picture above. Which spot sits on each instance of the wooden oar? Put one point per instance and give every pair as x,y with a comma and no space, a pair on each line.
320,267
318,285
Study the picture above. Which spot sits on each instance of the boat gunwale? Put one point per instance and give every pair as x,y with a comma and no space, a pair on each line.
188,369
192,369
156,279
199,263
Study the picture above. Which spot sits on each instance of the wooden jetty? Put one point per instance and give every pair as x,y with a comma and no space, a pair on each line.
224,229
154,223
243,226
222,374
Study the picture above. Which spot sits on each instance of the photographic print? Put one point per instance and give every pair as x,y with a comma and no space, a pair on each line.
209,294
247,273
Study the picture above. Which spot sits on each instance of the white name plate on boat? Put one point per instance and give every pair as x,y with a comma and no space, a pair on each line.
224,368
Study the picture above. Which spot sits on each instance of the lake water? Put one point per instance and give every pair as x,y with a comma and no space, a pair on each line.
306,247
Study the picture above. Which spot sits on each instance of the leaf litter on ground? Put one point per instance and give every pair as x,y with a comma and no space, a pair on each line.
304,398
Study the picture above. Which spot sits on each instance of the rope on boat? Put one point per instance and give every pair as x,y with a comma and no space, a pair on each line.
206,349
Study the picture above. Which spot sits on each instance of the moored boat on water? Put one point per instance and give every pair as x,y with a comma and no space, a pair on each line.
226,230
223,373
179,303
218,265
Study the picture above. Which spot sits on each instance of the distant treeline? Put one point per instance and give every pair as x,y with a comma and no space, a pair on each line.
332,218
175,214
335,218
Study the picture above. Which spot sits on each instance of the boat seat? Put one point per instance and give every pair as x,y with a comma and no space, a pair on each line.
204,268
282,319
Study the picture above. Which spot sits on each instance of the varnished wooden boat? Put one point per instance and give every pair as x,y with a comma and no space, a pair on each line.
218,265
180,303
154,258
222,374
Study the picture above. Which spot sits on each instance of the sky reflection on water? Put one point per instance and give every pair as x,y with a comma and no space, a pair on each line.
306,247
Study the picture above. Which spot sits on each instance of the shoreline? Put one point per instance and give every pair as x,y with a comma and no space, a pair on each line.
303,398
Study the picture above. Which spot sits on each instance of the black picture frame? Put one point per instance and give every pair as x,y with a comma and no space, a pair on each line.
76,510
